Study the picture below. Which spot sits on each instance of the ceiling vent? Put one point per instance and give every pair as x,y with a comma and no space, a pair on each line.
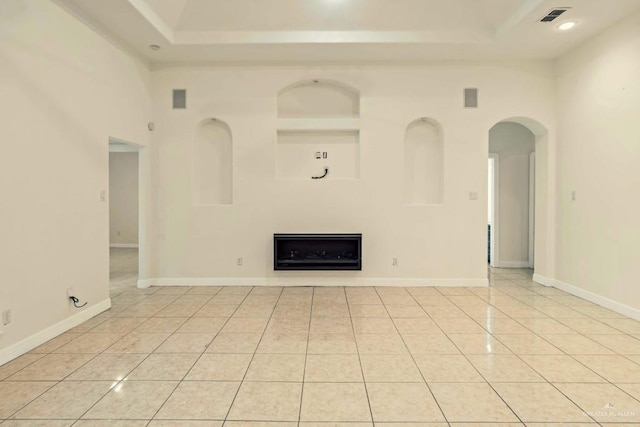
554,13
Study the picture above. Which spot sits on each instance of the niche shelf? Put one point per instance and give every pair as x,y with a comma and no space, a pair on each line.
213,163
423,163
323,117
320,124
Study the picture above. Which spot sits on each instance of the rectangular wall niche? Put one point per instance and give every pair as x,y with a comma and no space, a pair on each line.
317,251
318,116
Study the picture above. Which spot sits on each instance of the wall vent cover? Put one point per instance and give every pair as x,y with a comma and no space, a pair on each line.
179,98
554,13
470,98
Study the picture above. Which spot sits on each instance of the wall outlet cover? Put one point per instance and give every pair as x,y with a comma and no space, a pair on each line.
6,317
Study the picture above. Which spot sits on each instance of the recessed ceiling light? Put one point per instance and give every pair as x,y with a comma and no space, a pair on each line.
567,25
154,47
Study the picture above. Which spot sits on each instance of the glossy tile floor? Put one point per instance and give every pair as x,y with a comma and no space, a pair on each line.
513,354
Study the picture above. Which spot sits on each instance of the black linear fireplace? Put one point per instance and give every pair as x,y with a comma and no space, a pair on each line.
317,251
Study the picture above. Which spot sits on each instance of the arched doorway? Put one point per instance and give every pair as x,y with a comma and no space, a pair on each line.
517,202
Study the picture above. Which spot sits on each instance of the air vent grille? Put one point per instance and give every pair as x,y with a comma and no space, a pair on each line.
179,98
470,98
553,14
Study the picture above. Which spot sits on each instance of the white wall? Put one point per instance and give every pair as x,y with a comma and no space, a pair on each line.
491,189
123,198
434,244
513,143
599,158
64,92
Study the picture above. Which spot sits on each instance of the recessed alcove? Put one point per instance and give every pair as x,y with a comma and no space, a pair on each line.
213,163
318,98
424,163
318,131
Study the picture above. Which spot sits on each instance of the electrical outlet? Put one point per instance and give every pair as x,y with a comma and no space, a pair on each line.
6,317
103,195
239,261
69,292
394,262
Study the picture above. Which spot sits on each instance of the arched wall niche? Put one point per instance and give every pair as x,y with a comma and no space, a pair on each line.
424,163
213,163
318,98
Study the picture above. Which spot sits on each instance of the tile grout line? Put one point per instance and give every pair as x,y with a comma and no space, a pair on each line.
364,380
606,380
264,330
306,355
58,382
535,370
201,354
407,348
114,385
520,298
469,361
95,356
519,356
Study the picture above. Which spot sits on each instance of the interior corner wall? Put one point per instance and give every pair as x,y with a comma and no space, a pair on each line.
65,91
598,160
513,143
123,198
434,244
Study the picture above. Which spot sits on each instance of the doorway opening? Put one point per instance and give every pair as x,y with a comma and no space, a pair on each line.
511,196
491,213
124,215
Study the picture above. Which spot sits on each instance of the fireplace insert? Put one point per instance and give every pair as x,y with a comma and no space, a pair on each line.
317,251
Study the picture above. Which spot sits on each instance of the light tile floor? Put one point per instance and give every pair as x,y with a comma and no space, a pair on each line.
513,354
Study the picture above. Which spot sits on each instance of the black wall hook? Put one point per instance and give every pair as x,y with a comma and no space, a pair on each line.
75,301
326,171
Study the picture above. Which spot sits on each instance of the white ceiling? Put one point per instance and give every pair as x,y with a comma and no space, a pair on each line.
297,31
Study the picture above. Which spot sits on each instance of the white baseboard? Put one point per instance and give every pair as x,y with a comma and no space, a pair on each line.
605,302
511,264
469,283
29,343
123,245
310,281
545,281
616,306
